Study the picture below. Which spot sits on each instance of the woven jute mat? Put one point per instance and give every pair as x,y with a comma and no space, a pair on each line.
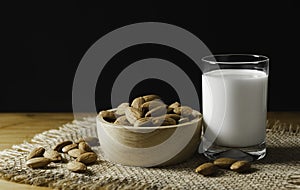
280,169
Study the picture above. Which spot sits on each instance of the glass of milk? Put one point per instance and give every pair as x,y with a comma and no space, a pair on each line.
234,99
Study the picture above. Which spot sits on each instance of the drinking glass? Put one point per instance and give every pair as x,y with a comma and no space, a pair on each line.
234,92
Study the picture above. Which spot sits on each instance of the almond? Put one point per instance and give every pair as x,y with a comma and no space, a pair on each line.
121,108
183,110
38,162
137,102
108,116
122,121
163,121
75,166
155,112
75,152
176,117
240,166
150,97
174,105
69,147
36,152
53,155
145,107
143,122
170,110
60,145
224,162
132,114
87,158
84,147
206,169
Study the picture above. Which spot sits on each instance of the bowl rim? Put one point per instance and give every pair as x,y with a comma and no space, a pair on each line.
100,118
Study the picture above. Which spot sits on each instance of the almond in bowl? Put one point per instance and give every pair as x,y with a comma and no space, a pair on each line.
149,133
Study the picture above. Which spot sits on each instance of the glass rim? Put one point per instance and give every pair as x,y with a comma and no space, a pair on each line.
212,59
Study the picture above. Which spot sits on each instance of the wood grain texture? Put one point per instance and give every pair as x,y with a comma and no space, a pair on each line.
17,127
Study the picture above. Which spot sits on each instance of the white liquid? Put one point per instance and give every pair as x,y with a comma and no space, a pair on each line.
235,106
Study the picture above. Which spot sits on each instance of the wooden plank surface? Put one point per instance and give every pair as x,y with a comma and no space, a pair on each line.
17,127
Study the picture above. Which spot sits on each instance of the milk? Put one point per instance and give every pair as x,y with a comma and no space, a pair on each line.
235,107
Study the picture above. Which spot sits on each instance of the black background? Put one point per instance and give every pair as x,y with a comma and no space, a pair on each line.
43,43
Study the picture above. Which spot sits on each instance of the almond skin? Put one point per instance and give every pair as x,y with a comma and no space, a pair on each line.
163,121
176,117
145,107
155,112
206,169
69,147
38,162
84,147
133,114
121,108
137,102
75,152
224,162
87,158
108,116
53,155
240,166
143,122
183,110
77,167
150,97
60,145
122,121
36,152
174,105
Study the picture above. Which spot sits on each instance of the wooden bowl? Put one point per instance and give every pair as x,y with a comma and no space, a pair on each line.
149,146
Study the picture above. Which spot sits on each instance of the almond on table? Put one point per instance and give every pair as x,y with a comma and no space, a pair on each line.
76,166
206,169
240,166
38,162
87,158
36,152
75,152
39,158
60,145
53,155
84,147
224,162
69,147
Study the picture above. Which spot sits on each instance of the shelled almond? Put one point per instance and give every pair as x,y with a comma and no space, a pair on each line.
208,168
53,155
149,111
36,152
38,162
81,151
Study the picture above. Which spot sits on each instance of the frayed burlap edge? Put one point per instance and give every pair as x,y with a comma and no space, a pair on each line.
12,169
39,177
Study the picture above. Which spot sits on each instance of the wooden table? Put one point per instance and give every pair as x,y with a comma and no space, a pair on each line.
17,127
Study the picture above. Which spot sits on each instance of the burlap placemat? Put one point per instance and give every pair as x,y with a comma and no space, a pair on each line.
280,169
